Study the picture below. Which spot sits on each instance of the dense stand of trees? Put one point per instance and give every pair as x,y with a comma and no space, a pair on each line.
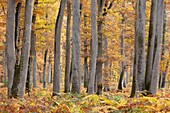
22,62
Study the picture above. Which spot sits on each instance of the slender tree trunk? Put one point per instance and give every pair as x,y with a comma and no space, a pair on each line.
44,71
67,66
5,68
25,52
94,48
86,78
106,65
163,74
151,42
10,43
120,85
76,47
158,40
135,62
100,43
57,70
33,51
49,68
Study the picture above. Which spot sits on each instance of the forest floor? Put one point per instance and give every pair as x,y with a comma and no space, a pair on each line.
113,101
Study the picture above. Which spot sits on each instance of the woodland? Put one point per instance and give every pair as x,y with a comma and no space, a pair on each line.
84,56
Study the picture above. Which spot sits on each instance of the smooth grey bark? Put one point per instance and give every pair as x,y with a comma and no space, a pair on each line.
10,43
100,44
120,85
44,70
94,48
135,61
76,47
25,52
86,77
106,65
162,76
67,66
49,68
141,45
158,40
5,68
151,42
17,50
33,51
57,70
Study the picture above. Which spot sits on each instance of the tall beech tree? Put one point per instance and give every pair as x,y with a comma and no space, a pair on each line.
138,83
67,66
25,52
57,49
76,47
151,43
157,49
10,43
94,48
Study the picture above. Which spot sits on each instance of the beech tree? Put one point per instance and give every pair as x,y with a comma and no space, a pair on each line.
25,52
57,71
94,48
76,47
10,43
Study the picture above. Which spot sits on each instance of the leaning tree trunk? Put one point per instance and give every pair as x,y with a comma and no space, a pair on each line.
57,70
10,43
67,66
49,68
157,49
151,42
25,52
94,48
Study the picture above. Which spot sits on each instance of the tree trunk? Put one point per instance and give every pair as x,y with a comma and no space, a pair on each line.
33,51
163,74
86,78
100,43
58,26
151,41
106,65
10,43
44,71
94,48
67,66
17,50
141,46
158,40
25,52
49,68
120,85
5,68
76,47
